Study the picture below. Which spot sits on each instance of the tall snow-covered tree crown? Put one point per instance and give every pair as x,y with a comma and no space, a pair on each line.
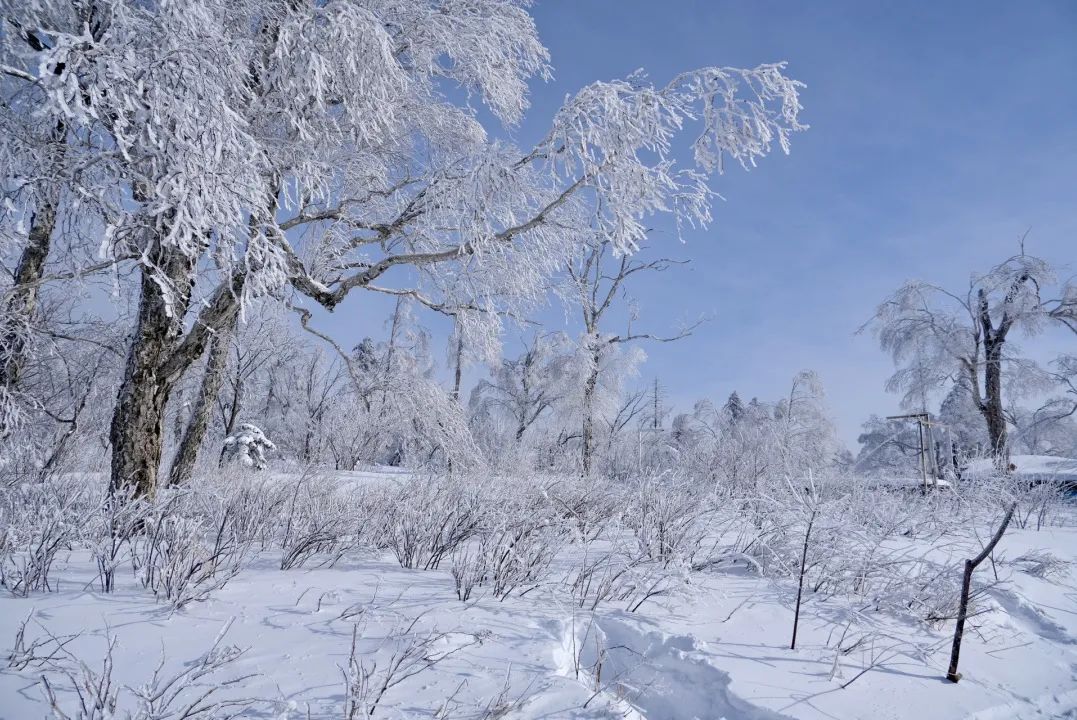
936,336
317,144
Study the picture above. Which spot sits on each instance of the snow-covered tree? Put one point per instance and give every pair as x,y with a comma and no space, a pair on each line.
391,409
889,447
1046,430
808,440
734,408
962,425
259,145
763,445
52,183
247,447
1051,428
938,337
597,282
525,389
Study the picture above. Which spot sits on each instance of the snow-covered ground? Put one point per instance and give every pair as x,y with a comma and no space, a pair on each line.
1040,468
719,649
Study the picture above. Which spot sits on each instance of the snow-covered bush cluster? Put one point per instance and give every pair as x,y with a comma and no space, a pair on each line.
597,541
589,544
248,447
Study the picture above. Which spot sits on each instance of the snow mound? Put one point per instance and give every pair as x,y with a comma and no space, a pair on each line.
661,675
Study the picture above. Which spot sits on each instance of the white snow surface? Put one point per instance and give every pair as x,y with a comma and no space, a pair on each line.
719,651
1040,466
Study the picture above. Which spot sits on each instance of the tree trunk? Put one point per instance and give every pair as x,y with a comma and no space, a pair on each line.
233,415
195,433
22,303
992,407
800,581
137,428
966,587
458,370
589,389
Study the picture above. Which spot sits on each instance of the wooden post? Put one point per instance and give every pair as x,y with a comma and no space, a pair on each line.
922,422
923,453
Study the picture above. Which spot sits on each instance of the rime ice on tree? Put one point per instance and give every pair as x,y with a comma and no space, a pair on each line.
248,447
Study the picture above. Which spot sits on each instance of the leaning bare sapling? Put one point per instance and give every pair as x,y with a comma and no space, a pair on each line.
966,586
800,576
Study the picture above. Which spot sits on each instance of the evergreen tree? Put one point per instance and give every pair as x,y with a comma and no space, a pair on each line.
734,408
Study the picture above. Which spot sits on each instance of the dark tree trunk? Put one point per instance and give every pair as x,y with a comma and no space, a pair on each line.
23,301
800,580
195,433
966,589
157,358
459,366
992,407
589,389
137,428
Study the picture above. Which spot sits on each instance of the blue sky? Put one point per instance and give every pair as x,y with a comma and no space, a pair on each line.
940,133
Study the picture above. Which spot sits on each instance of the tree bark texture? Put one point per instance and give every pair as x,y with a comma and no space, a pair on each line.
195,433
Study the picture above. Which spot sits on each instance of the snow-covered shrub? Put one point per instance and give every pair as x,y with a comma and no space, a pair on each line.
317,521
1042,564
587,505
426,518
117,519
250,506
247,447
887,550
519,553
183,556
519,537
986,492
1038,500
38,521
202,689
405,653
619,575
667,515
35,651
469,571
